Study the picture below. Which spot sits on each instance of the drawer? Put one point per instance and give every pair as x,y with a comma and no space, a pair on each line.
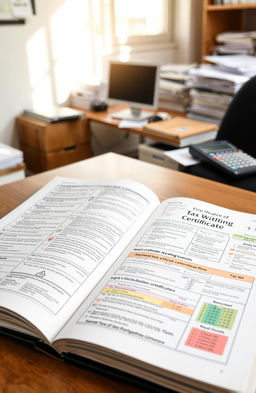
39,161
55,136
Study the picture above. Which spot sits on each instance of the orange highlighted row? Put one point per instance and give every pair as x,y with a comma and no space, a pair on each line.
177,307
192,266
162,303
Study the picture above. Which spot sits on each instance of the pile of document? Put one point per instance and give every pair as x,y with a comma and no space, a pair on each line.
228,2
214,85
208,105
235,43
84,95
9,157
53,113
174,92
236,64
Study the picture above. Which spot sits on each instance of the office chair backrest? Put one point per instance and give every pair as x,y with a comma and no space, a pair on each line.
238,125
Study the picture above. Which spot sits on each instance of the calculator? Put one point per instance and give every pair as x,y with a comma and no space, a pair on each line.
228,158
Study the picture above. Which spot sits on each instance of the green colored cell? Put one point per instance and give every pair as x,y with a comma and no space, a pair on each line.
217,316
244,238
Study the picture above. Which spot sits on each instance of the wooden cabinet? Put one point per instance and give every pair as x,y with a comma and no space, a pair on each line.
51,145
220,18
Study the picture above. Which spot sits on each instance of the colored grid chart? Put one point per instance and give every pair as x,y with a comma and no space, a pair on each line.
206,341
218,316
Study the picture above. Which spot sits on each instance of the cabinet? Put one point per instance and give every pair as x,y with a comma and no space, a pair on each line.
219,18
50,145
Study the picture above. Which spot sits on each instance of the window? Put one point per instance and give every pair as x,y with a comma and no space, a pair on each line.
141,21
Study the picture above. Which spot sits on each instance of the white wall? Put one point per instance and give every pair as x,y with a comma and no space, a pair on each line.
16,85
28,74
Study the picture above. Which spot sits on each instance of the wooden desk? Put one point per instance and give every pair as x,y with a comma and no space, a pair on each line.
105,118
24,370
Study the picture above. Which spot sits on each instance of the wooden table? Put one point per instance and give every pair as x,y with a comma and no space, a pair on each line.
105,118
25,370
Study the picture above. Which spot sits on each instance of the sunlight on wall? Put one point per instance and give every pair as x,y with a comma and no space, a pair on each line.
39,65
69,46
67,50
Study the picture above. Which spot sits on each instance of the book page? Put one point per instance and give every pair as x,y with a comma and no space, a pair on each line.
186,293
57,245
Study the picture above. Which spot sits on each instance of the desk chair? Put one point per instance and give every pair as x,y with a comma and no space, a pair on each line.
238,126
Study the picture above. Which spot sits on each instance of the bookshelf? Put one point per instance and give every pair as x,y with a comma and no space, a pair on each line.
229,17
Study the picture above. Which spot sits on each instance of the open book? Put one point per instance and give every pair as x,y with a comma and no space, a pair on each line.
102,272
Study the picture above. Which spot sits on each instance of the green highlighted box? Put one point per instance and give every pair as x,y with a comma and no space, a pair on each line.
221,317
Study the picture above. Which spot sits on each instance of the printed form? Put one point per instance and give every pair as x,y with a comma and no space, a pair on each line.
59,238
186,283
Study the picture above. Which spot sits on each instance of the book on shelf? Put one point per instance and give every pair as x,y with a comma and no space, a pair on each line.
53,114
101,273
182,131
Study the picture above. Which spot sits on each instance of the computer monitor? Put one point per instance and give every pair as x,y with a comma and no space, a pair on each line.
135,84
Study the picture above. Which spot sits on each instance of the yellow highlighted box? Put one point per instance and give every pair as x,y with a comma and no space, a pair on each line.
162,303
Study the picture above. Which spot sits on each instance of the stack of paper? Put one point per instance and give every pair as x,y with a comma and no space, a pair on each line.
237,64
212,91
177,69
173,96
212,78
235,43
84,94
209,103
9,157
174,93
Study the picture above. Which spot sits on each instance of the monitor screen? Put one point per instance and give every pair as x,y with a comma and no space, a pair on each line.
134,84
